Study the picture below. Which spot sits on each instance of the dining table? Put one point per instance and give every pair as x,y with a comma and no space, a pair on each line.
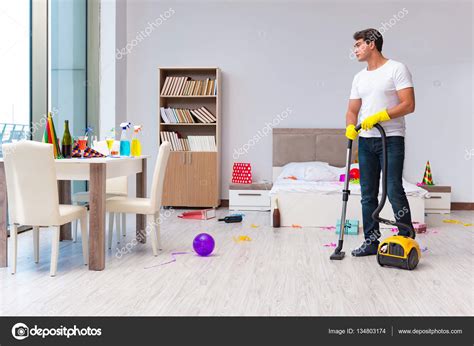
96,171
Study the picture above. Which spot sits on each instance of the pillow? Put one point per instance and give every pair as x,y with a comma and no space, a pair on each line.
320,173
294,169
310,171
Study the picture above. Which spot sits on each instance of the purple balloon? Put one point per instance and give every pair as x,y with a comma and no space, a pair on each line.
203,244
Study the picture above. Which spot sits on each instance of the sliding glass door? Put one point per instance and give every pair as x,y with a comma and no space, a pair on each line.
68,64
14,70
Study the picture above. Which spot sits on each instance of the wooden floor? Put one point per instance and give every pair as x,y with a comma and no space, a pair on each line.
279,272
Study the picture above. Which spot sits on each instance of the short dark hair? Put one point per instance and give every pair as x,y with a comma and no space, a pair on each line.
370,35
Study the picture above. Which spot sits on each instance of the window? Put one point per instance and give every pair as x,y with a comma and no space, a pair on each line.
15,70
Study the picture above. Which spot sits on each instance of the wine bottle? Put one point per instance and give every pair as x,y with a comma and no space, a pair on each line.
232,219
276,214
66,144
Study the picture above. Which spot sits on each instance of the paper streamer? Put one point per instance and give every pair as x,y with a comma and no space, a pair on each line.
330,244
458,222
173,256
329,228
242,238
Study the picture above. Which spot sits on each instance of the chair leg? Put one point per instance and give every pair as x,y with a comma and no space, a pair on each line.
117,226
36,243
85,240
158,230
124,224
111,229
74,231
54,251
14,236
150,222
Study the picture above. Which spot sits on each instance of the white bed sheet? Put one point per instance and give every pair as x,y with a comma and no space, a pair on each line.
334,187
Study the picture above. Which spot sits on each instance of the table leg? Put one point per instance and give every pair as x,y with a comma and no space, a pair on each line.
141,192
3,218
97,216
64,188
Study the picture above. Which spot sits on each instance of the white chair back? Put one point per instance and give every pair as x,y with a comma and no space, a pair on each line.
31,183
117,185
159,175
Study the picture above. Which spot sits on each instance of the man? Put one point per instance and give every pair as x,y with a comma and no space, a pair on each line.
381,93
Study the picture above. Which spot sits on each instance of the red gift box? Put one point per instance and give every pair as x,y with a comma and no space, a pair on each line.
242,173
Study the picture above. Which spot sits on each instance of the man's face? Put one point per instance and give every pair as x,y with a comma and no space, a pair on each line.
362,50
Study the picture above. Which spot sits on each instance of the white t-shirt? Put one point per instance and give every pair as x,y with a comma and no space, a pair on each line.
378,90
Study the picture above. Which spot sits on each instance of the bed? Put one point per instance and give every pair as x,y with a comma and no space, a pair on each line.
318,204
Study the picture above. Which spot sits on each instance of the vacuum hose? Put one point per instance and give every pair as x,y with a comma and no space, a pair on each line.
376,213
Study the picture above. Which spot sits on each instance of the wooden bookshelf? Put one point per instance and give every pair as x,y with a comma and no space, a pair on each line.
192,178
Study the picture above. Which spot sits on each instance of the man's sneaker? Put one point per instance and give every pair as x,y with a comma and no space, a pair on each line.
366,249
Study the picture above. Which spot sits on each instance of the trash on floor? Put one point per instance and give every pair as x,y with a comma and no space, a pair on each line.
242,238
204,214
173,259
458,222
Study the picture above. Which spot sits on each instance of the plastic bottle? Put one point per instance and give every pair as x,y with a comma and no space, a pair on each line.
136,145
124,142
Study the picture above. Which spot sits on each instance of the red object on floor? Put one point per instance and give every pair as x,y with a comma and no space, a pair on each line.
241,173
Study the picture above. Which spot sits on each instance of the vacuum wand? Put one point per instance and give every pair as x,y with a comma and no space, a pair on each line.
338,254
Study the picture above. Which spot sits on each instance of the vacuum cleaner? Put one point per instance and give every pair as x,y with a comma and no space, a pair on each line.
396,251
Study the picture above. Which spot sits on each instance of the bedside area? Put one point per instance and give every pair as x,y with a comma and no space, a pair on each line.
253,196
440,200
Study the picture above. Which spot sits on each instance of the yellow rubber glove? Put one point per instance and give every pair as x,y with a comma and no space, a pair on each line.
351,133
370,121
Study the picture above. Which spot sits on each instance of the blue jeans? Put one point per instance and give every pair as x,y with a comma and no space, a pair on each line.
370,163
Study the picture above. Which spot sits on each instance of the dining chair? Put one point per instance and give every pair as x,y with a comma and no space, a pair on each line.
33,198
145,206
114,187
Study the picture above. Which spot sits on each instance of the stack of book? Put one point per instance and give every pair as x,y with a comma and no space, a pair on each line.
192,143
182,86
179,115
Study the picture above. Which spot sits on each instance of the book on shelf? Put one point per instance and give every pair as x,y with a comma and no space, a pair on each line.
184,86
181,115
191,143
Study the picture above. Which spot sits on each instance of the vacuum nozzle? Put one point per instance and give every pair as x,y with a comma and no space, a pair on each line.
338,254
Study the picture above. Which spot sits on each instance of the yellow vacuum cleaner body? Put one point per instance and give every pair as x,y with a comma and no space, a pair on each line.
399,251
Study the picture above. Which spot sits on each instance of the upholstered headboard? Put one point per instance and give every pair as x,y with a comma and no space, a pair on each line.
300,145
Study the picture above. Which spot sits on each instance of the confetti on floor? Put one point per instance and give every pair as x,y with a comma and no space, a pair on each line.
296,226
424,249
291,177
329,228
173,256
330,244
457,222
254,226
242,238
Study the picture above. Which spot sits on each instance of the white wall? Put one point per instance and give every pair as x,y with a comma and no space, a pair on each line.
276,55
